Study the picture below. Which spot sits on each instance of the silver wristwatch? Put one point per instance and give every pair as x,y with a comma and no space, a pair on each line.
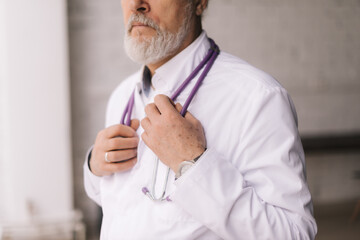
186,165
183,167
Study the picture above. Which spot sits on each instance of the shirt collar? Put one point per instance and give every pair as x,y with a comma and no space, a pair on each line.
170,75
146,81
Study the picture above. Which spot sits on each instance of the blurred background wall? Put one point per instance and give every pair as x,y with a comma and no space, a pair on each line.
312,47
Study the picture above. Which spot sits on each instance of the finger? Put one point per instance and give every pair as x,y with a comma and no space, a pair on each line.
121,155
164,104
178,107
119,130
152,111
146,124
121,166
119,143
135,124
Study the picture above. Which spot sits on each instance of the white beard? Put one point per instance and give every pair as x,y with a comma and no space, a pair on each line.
157,48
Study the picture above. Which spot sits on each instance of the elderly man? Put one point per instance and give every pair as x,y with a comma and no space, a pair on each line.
207,146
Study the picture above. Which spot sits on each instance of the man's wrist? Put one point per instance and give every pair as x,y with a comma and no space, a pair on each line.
199,156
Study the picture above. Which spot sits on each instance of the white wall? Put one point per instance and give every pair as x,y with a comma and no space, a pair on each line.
35,147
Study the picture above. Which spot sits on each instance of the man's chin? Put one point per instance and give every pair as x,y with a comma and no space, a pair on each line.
139,35
141,39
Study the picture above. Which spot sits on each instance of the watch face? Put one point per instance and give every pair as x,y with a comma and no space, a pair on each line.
185,168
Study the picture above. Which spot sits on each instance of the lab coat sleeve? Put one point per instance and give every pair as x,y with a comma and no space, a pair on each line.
261,193
91,181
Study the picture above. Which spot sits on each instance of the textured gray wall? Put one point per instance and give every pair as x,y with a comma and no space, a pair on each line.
311,46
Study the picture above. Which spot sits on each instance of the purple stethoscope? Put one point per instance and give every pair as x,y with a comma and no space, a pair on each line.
207,62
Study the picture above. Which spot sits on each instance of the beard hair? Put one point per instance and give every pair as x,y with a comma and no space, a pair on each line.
152,50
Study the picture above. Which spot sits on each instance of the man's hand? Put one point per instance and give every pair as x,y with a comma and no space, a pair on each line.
120,142
170,136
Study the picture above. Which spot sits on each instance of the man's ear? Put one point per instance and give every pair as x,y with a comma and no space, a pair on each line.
200,6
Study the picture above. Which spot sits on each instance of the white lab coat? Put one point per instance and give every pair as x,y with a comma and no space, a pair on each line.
249,184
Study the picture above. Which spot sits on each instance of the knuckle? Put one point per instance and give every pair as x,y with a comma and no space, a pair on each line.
135,141
119,128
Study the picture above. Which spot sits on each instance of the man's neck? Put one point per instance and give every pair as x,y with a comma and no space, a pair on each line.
190,39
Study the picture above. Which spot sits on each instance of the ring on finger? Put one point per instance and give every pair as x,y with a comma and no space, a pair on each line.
106,157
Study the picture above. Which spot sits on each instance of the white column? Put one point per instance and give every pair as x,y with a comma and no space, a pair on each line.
35,147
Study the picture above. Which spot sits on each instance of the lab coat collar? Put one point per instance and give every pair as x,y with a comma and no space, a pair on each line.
169,76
